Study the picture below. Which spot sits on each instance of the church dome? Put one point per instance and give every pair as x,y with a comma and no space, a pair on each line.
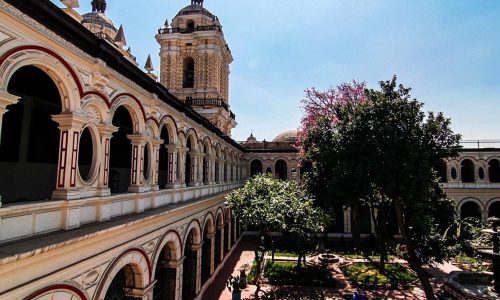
290,136
98,18
195,9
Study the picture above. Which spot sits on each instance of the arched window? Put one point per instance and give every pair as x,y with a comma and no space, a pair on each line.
165,172
165,275
190,26
123,283
255,167
494,170
467,171
29,146
494,210
120,158
281,170
470,209
188,78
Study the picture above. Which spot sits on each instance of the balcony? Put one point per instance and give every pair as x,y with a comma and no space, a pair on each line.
26,220
190,30
211,102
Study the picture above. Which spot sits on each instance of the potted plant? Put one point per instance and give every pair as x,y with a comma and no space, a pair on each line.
233,285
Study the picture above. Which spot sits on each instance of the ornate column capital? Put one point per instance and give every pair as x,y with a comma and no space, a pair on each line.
7,99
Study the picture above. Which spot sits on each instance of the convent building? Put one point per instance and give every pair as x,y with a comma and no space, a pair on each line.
112,181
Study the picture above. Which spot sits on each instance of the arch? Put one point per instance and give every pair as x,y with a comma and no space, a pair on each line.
169,122
194,226
219,217
210,222
139,261
281,169
28,126
494,170
493,208
56,290
152,129
470,207
134,108
467,170
172,237
60,71
255,167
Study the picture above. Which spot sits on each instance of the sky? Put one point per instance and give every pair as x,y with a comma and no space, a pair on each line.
447,51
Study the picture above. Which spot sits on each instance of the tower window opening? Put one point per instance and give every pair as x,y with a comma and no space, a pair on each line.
188,79
190,26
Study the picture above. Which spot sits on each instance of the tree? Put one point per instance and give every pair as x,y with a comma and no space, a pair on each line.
384,151
321,142
271,204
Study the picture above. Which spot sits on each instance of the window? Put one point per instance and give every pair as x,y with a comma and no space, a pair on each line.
188,78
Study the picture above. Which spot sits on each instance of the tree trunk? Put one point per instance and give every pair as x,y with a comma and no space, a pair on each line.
355,226
413,259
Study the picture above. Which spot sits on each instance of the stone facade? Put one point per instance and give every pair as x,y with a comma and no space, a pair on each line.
194,64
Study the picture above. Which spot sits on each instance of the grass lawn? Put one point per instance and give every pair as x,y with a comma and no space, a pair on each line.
368,273
286,273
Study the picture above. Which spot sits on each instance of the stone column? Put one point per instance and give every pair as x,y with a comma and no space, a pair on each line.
181,178
6,99
172,181
178,266
229,233
211,237
155,163
347,220
221,246
193,165
145,293
105,133
138,142
70,127
197,248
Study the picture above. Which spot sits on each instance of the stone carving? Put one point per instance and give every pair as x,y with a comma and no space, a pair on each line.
99,81
92,113
91,277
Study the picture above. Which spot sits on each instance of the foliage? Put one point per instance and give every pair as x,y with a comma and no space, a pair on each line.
472,263
368,273
383,151
287,273
271,204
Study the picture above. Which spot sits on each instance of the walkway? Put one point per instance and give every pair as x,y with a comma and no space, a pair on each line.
243,254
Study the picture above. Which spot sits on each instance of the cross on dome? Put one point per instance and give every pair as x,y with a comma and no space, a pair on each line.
199,2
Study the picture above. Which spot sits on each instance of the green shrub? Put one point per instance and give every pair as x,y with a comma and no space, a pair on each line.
368,273
286,273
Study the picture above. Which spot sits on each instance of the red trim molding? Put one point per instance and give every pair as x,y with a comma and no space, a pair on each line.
55,287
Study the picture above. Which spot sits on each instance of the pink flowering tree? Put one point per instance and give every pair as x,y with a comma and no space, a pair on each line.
318,104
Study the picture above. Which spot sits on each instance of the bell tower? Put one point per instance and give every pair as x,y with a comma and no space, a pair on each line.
194,63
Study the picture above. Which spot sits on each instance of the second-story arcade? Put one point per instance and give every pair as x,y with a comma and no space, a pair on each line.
195,62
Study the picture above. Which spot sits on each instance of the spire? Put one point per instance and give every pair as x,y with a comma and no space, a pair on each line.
120,38
149,65
99,6
199,2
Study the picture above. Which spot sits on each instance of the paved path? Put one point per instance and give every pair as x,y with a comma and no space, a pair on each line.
243,254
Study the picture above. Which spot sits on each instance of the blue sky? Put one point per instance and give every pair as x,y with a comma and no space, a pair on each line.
447,51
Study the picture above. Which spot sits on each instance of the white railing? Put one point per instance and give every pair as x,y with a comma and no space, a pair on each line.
26,220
